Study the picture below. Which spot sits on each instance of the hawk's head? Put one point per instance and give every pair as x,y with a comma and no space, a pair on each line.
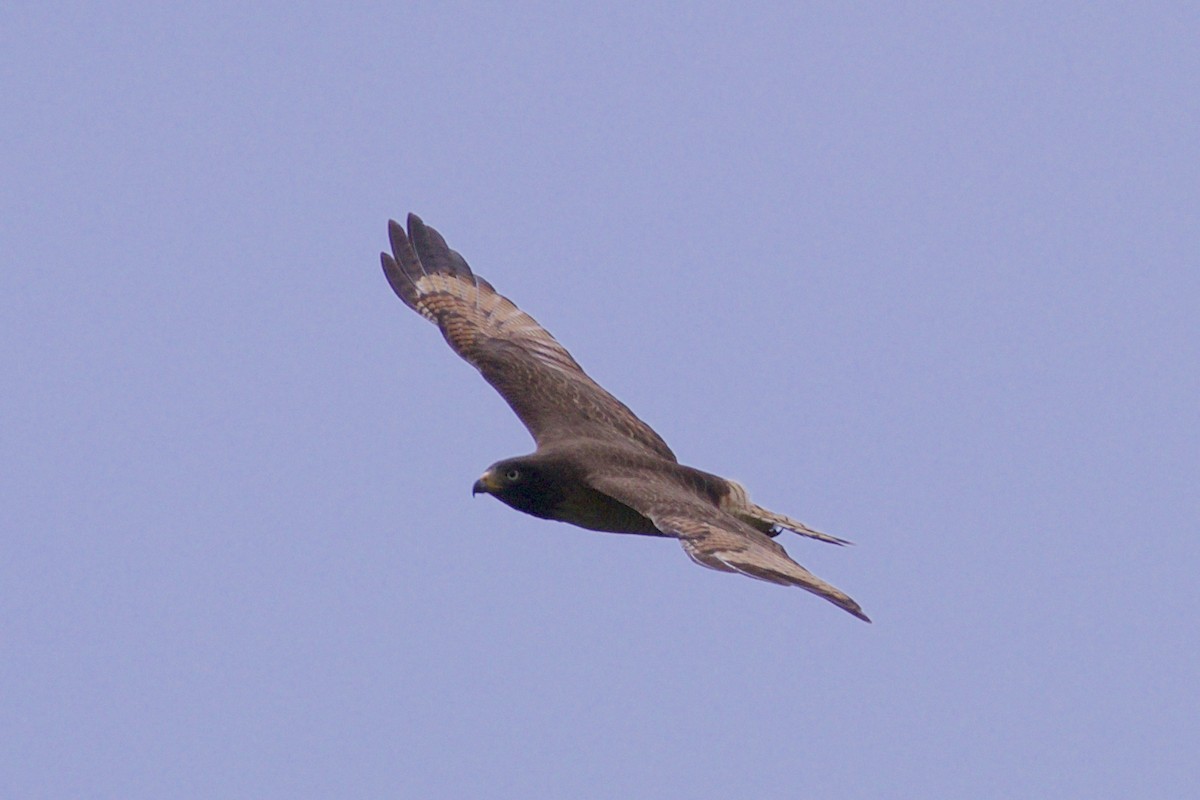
524,483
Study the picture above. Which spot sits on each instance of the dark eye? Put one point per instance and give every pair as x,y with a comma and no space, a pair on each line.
513,474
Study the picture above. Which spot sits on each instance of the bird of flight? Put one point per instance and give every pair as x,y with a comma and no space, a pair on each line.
596,464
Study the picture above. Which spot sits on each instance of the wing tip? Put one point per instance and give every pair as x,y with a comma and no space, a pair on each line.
397,238
858,612
431,251
400,282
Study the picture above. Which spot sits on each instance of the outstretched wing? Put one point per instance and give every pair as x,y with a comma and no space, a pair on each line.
536,376
711,537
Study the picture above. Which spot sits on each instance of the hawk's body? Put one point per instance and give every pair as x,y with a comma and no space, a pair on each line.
596,465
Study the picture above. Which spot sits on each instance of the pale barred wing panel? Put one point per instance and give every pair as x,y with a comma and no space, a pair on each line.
713,538
536,376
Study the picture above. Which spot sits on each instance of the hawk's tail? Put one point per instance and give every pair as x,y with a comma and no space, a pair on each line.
769,523
736,501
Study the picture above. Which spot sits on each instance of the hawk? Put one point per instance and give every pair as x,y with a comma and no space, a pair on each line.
596,464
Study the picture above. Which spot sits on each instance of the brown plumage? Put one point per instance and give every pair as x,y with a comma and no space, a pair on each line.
596,465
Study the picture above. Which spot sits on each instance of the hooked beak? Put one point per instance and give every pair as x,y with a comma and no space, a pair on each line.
485,485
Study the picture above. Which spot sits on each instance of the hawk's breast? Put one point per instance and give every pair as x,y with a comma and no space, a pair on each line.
596,511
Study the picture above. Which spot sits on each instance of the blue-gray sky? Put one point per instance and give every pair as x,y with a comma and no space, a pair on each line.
924,277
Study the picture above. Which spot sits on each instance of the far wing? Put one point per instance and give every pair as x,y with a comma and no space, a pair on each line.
536,376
